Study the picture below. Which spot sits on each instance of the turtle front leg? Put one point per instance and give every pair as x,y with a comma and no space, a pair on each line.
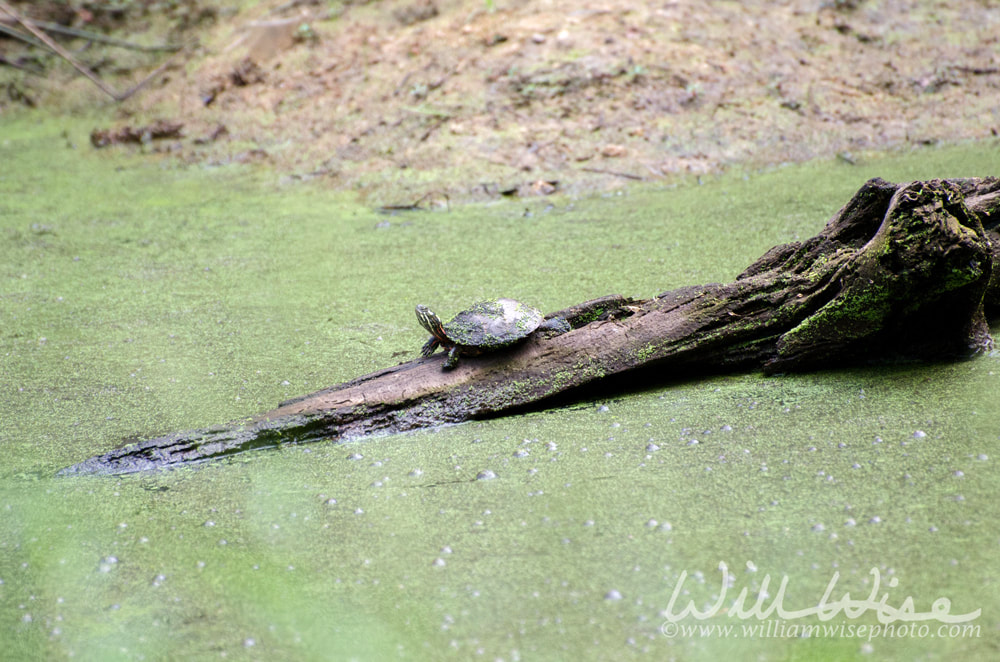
429,347
453,355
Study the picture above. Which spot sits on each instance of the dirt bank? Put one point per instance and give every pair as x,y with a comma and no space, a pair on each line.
472,99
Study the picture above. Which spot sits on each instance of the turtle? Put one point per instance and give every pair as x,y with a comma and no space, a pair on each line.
485,327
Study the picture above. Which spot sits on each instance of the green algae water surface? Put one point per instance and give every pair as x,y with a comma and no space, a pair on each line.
138,298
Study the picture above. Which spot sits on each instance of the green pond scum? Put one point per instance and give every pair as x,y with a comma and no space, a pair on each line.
140,296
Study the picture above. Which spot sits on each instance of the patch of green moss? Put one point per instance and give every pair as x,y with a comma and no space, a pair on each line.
855,313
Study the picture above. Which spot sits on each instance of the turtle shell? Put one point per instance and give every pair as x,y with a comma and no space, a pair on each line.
492,324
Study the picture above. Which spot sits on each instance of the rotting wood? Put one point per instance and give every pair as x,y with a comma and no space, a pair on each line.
902,270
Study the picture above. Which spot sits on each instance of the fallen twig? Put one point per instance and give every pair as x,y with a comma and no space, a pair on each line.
83,34
142,83
16,34
602,171
414,206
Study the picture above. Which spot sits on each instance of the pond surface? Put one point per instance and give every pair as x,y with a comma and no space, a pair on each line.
139,298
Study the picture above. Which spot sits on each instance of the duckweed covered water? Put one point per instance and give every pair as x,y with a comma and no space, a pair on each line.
140,297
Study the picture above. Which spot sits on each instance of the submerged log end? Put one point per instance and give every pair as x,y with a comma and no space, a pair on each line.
192,446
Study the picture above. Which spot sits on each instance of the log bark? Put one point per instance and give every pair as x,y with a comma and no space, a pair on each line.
902,270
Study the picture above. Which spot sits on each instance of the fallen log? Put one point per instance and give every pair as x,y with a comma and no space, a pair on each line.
902,270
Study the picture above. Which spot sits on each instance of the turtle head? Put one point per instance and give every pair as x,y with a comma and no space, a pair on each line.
431,322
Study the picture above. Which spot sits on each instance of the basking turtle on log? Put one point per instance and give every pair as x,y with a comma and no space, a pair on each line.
485,327
902,270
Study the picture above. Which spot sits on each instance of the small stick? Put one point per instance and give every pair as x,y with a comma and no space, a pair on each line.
626,175
17,34
100,38
142,83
